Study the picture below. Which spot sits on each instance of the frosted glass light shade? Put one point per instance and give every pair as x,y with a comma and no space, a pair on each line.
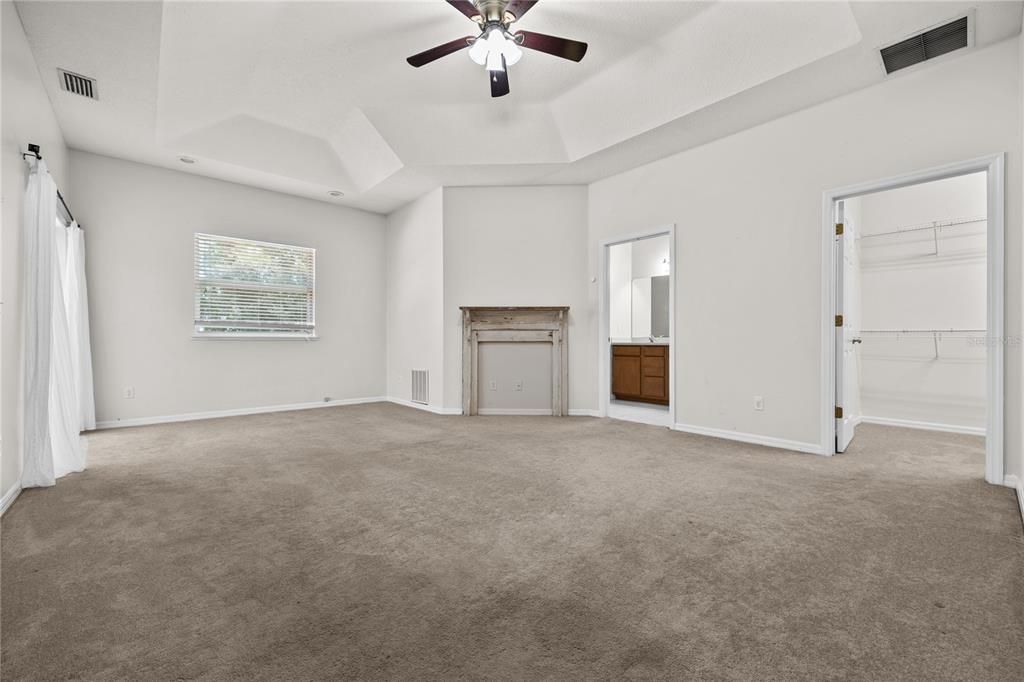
478,51
488,50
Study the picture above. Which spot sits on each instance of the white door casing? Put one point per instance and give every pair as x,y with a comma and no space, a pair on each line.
994,166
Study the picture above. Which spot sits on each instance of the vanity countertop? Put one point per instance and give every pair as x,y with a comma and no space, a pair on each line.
659,342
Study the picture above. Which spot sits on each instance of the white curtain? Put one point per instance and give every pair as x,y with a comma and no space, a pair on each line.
58,368
76,301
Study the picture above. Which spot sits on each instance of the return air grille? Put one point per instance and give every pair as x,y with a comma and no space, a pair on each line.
420,386
77,84
928,45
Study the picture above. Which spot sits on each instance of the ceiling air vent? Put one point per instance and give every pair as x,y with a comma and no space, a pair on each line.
77,84
928,45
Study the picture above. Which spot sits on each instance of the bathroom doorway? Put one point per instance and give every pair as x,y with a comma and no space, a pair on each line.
637,312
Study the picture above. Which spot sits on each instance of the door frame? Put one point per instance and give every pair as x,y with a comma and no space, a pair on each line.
994,166
604,348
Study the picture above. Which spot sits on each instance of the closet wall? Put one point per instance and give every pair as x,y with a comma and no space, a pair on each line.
916,278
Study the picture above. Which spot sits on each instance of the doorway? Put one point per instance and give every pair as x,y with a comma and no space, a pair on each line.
637,367
914,306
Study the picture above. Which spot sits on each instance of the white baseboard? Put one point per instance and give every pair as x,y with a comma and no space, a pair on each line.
652,416
581,412
925,426
753,438
513,412
9,497
239,412
426,408
1018,485
486,411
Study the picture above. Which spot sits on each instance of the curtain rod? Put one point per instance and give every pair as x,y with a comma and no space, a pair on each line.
33,151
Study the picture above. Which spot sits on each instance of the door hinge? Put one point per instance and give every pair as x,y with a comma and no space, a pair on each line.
839,229
839,412
839,320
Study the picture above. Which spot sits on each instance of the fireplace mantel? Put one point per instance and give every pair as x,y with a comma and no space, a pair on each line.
528,324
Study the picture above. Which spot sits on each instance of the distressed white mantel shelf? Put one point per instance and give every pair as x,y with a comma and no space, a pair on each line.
528,324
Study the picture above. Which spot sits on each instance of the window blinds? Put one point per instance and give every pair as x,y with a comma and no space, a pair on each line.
248,287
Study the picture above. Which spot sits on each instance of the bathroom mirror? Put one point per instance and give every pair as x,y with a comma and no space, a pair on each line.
650,307
639,289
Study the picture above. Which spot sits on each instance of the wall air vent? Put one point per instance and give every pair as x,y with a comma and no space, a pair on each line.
420,386
77,84
928,45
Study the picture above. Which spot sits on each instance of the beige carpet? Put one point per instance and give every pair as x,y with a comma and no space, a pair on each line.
381,542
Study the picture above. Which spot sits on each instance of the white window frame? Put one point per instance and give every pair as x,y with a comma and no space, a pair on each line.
252,335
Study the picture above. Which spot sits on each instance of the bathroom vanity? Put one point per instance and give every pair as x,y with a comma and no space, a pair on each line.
640,372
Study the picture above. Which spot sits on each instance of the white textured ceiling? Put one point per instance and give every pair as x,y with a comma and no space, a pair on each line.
308,97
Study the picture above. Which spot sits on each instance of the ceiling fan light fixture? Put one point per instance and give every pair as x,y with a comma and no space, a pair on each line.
478,52
495,48
488,50
512,52
494,62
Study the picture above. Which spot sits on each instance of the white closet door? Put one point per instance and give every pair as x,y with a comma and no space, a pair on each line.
848,308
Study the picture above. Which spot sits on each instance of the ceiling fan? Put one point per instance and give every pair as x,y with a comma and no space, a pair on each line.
497,48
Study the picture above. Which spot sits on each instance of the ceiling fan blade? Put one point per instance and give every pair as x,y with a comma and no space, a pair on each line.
466,7
499,81
520,7
435,53
559,47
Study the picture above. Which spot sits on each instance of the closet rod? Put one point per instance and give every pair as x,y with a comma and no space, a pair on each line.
935,334
934,226
33,151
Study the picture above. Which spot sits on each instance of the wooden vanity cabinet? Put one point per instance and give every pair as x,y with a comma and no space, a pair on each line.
640,373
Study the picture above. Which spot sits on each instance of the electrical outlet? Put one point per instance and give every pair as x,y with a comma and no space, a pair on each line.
517,385
494,385
758,403
129,392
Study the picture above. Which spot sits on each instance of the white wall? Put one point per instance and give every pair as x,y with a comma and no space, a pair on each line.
139,224
749,236
415,296
1015,419
518,246
904,286
641,306
26,117
620,291
650,257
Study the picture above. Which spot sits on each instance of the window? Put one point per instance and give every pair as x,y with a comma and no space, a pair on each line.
248,288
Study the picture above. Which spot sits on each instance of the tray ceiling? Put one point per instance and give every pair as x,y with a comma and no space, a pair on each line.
308,97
